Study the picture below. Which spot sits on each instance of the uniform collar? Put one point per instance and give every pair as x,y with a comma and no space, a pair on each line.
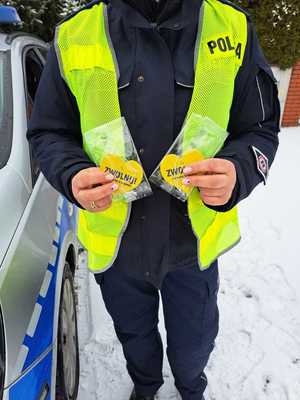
187,14
155,10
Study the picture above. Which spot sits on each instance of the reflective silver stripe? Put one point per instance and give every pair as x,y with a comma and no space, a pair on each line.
110,43
124,86
21,359
182,84
56,234
199,35
58,55
53,256
261,100
34,320
46,284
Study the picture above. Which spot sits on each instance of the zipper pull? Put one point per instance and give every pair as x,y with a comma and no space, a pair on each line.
155,26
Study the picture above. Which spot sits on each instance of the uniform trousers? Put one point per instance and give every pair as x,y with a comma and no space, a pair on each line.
189,301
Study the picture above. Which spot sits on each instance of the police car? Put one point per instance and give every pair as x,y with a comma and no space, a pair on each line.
38,249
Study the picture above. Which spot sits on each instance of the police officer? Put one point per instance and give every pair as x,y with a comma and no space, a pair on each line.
158,60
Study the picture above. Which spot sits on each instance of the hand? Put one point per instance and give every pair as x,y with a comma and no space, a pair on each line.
91,185
215,178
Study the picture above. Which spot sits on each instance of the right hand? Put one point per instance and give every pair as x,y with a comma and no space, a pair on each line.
91,185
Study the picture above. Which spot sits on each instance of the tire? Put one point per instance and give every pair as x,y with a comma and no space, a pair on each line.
67,341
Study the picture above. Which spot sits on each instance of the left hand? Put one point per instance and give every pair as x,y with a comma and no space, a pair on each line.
215,178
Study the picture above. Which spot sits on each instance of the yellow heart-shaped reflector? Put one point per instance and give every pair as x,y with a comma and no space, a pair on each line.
128,174
172,166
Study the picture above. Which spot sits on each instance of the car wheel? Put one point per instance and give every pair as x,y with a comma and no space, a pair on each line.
68,350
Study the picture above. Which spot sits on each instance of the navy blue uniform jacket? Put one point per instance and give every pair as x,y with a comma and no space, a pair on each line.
155,88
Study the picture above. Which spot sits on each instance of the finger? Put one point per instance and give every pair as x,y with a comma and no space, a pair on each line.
207,181
101,205
211,165
90,177
98,193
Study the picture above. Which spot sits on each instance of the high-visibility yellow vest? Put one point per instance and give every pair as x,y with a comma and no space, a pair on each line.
89,66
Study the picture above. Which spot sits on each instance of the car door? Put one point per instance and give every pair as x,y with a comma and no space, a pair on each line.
25,275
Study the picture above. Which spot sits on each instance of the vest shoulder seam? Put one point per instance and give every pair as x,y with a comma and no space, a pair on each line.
86,7
235,6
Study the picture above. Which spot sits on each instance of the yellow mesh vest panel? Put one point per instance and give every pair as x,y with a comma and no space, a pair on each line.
88,64
222,40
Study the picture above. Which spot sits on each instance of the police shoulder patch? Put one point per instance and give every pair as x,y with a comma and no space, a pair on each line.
262,163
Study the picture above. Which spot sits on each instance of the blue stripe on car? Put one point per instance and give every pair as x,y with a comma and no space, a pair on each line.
43,336
30,386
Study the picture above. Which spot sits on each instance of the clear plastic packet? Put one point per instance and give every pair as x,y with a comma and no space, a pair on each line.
199,139
111,147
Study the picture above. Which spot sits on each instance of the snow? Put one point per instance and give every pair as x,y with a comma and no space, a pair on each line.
257,353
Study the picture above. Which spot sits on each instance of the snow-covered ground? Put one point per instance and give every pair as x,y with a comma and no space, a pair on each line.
257,354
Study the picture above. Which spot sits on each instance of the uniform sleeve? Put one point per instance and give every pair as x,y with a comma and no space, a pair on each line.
254,123
54,130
